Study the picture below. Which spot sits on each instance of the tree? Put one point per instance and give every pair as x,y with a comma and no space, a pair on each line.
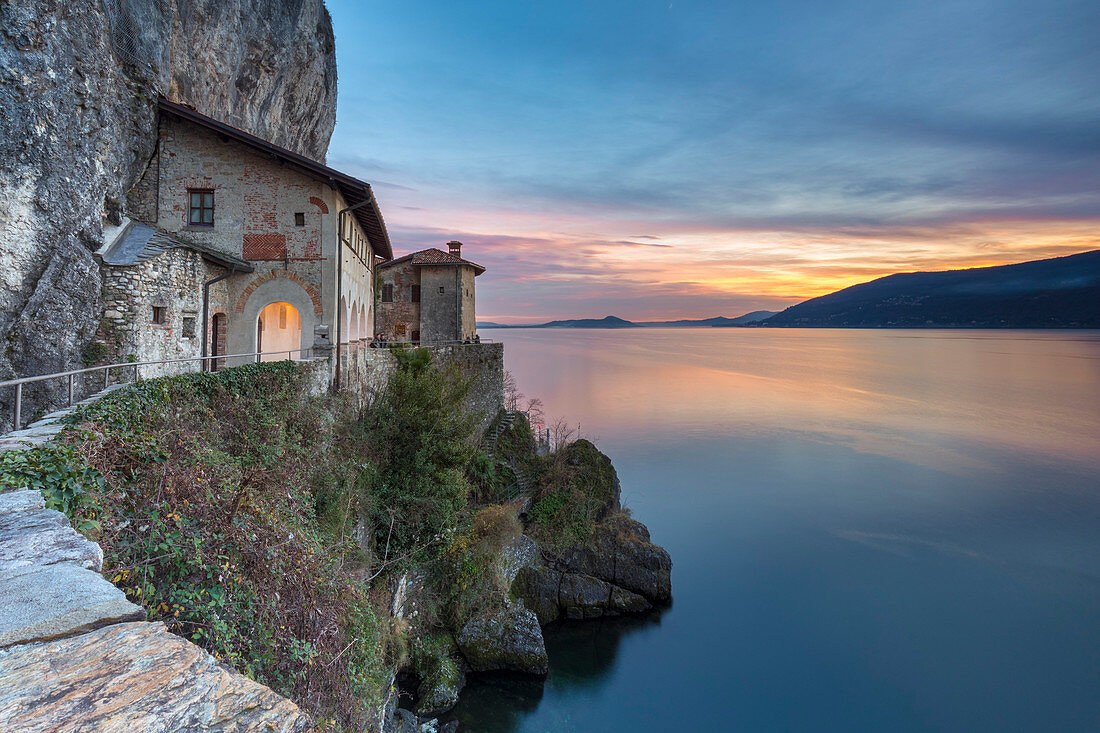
418,433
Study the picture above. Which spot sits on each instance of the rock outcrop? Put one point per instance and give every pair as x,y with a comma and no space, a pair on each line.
506,639
619,570
133,677
439,687
78,88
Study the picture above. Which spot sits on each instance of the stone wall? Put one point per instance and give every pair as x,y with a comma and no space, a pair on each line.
483,364
171,282
438,304
467,312
364,372
401,310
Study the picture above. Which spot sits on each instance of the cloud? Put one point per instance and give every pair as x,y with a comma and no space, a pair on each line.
768,152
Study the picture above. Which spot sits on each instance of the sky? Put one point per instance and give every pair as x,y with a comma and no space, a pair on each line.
657,159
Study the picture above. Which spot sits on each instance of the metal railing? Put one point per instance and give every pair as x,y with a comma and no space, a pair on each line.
121,367
416,344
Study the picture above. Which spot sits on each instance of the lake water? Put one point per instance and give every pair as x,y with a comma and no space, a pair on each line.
870,531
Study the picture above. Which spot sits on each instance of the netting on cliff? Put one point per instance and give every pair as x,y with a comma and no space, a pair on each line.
125,36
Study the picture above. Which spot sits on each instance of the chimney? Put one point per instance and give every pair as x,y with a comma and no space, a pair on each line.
455,248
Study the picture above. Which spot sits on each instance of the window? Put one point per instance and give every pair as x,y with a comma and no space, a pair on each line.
189,327
200,207
300,219
416,294
441,290
158,314
387,293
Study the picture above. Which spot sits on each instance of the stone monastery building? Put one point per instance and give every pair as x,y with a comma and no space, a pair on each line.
428,297
239,246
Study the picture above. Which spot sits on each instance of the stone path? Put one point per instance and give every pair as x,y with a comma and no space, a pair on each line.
45,429
75,655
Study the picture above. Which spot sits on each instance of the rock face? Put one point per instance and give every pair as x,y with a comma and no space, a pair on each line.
618,571
58,600
621,553
508,639
50,584
78,88
133,677
30,535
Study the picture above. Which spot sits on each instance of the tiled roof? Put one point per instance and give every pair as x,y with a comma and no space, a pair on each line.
140,242
434,256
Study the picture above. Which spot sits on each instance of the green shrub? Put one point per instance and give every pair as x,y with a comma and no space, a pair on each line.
65,481
224,507
467,575
577,488
418,433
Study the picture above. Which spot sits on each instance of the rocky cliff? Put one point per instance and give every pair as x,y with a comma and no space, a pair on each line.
78,88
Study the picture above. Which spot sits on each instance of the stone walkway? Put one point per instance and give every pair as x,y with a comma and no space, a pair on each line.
76,655
44,429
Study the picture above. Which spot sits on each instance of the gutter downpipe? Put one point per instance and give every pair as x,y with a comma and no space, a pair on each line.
206,315
340,241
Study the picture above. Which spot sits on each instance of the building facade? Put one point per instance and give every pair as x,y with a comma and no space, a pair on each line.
428,297
238,246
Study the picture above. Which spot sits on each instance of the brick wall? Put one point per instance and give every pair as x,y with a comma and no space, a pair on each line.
403,277
255,197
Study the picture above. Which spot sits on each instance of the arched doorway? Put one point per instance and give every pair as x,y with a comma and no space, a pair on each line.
279,329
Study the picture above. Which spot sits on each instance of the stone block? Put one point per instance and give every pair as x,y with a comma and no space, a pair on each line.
51,601
133,677
32,535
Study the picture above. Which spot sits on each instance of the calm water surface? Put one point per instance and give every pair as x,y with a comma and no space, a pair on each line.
870,531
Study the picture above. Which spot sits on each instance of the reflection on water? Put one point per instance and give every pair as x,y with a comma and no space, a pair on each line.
583,653
870,530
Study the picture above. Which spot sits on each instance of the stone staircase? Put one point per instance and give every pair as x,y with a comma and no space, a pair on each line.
76,655
524,484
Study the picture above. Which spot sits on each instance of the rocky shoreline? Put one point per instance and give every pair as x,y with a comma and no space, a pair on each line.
617,570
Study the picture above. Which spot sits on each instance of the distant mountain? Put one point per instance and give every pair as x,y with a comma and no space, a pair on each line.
753,317
1063,292
605,322
616,322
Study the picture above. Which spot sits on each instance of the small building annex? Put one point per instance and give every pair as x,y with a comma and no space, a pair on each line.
428,297
235,245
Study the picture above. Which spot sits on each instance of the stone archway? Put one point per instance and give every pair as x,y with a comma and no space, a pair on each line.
278,330
244,332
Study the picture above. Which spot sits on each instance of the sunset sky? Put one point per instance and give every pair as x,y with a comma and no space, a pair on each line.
692,159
